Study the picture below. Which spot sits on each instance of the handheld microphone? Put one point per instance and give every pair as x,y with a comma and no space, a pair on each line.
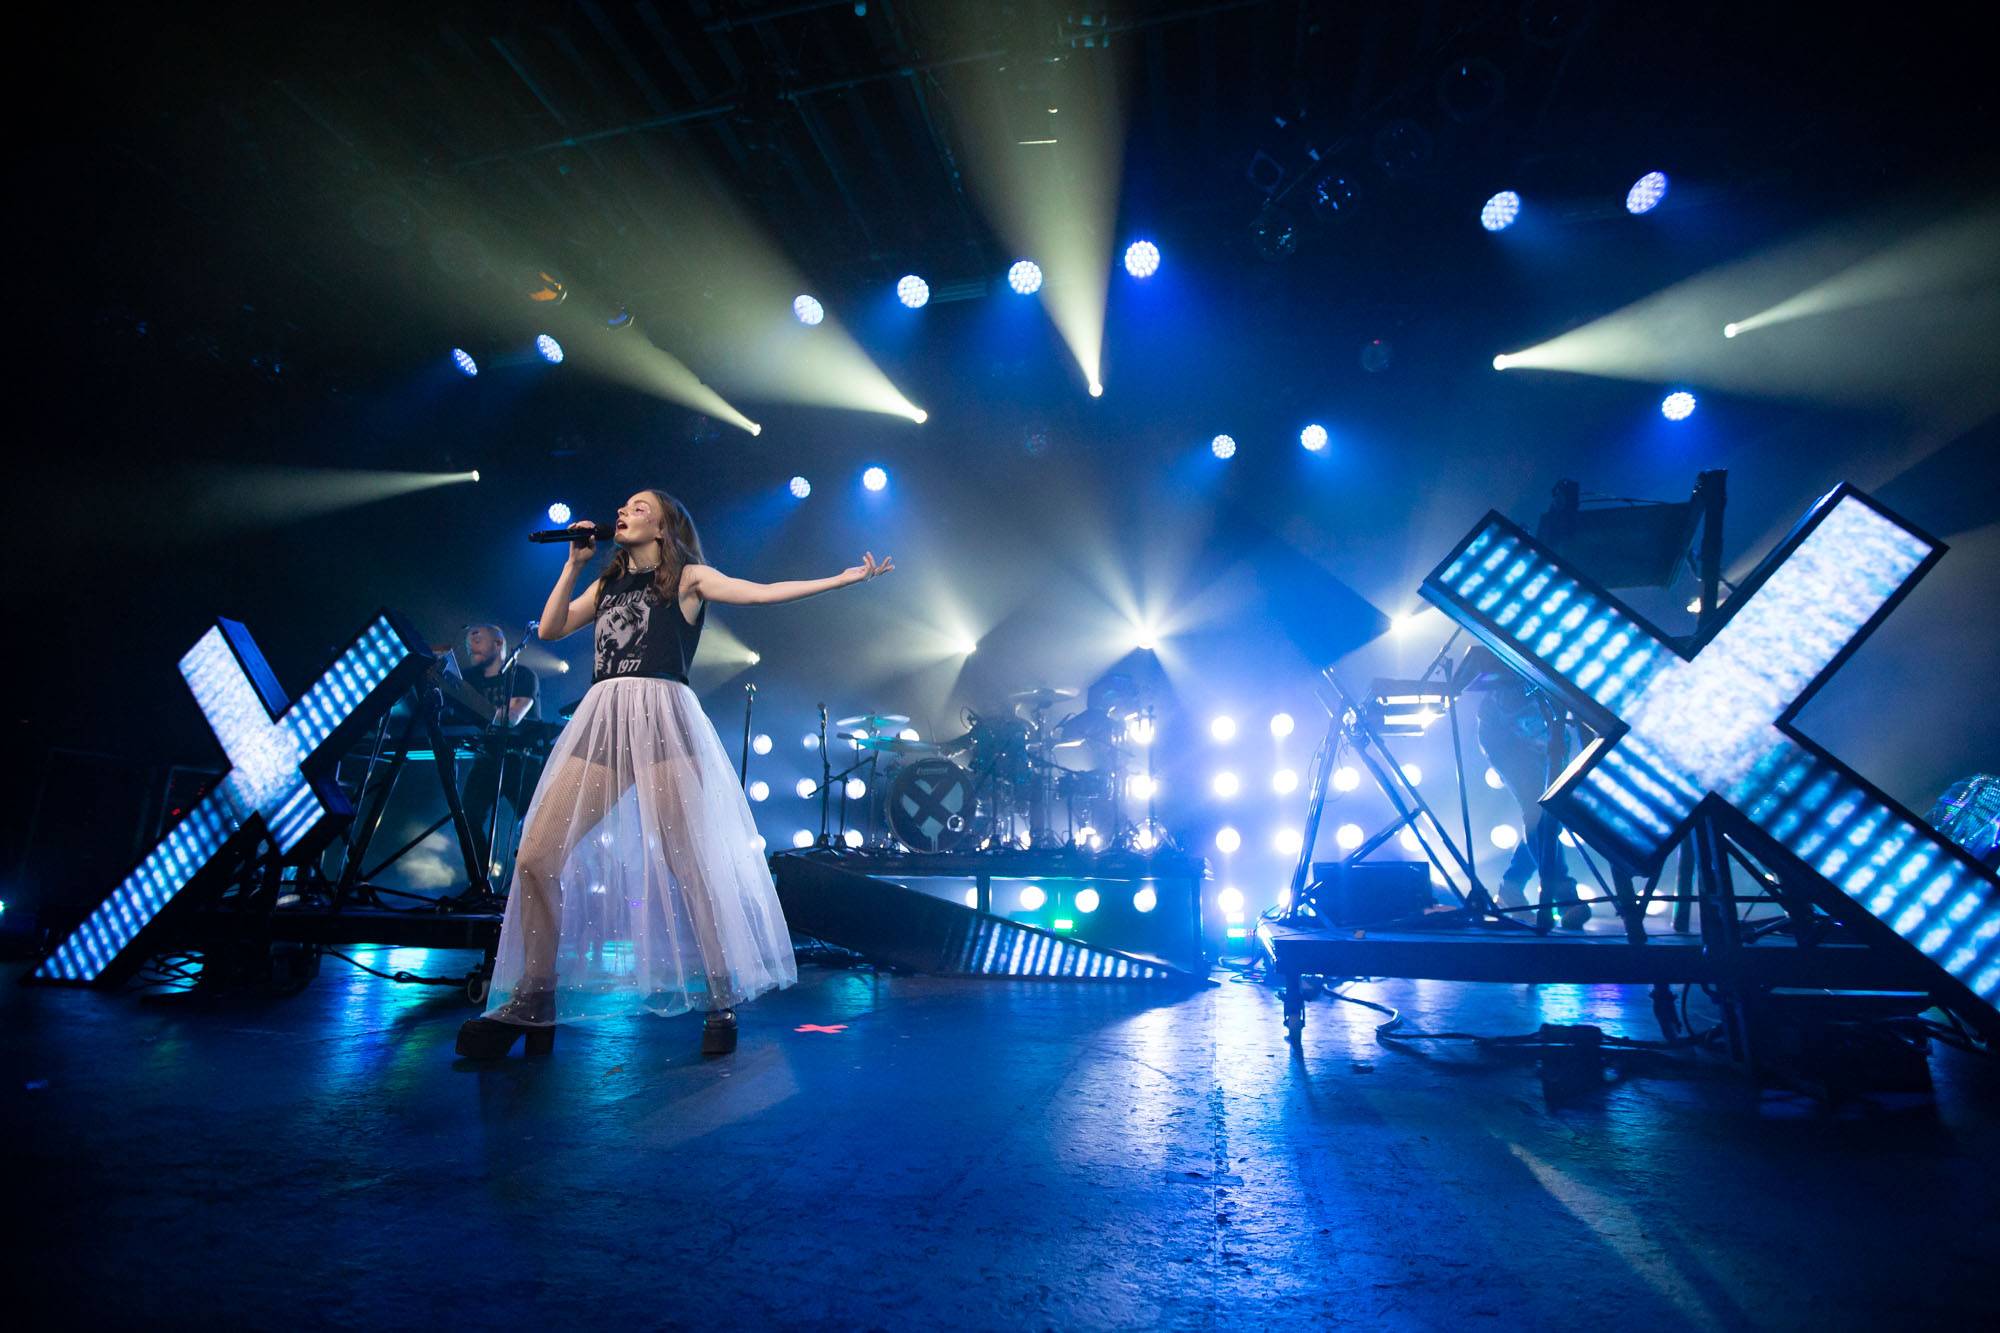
592,533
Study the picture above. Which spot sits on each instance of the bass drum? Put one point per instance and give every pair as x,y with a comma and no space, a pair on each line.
932,808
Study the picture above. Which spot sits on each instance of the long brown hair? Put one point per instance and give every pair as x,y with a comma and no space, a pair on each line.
680,546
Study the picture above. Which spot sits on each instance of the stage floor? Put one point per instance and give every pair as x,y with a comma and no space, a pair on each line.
964,1153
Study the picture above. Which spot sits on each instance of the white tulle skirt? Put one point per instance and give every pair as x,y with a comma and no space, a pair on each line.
641,881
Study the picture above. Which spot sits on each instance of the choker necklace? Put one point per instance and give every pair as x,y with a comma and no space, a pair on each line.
647,570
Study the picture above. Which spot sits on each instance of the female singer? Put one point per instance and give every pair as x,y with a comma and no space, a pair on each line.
641,880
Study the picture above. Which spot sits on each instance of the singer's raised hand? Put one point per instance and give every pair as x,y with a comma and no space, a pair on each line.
580,552
868,568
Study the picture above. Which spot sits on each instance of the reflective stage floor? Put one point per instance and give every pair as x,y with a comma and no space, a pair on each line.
920,1153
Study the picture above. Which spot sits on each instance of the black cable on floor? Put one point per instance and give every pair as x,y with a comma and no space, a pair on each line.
406,978
1549,1035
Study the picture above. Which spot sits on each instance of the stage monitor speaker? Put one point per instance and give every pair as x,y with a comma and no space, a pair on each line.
1370,893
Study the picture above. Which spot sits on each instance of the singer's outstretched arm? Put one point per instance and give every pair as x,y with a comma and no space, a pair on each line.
712,585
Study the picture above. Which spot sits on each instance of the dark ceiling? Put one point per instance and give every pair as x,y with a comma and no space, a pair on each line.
270,176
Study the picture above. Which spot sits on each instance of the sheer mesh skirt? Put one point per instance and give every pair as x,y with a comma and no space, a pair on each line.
641,881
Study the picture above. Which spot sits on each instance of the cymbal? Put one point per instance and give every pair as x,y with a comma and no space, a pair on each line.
873,722
896,745
1042,698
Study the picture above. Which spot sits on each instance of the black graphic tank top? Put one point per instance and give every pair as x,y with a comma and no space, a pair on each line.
640,635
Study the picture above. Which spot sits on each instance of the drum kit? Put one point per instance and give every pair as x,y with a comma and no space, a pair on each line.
1035,775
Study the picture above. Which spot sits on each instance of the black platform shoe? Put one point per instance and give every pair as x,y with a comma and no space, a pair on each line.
718,1033
529,1014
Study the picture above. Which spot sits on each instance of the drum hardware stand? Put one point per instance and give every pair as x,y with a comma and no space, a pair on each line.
1152,784
1127,835
827,777
829,837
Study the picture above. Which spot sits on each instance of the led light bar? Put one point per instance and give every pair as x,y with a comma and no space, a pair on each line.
1680,729
276,788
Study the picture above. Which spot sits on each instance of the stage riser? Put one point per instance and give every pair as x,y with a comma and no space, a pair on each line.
1592,962
903,927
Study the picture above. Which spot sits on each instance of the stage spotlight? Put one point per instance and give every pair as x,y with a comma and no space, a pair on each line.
1142,787
1348,837
874,479
1281,725
550,349
972,897
852,837
912,291
1223,728
559,513
1025,277
1346,778
802,838
1145,900
1402,623
800,488
806,788
762,744
1088,837
1225,785
1086,900
1285,781
1227,840
1409,842
1502,361
966,647
1646,192
1313,437
1139,729
1494,780
1677,406
546,289
1566,838
1142,259
920,416
760,790
754,658
811,741
810,311
1096,389
856,789
1222,447
1731,330
1230,900
1506,837
1413,775
1289,841
463,360
1500,211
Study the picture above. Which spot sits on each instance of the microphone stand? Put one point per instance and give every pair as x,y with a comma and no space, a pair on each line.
825,781
749,702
